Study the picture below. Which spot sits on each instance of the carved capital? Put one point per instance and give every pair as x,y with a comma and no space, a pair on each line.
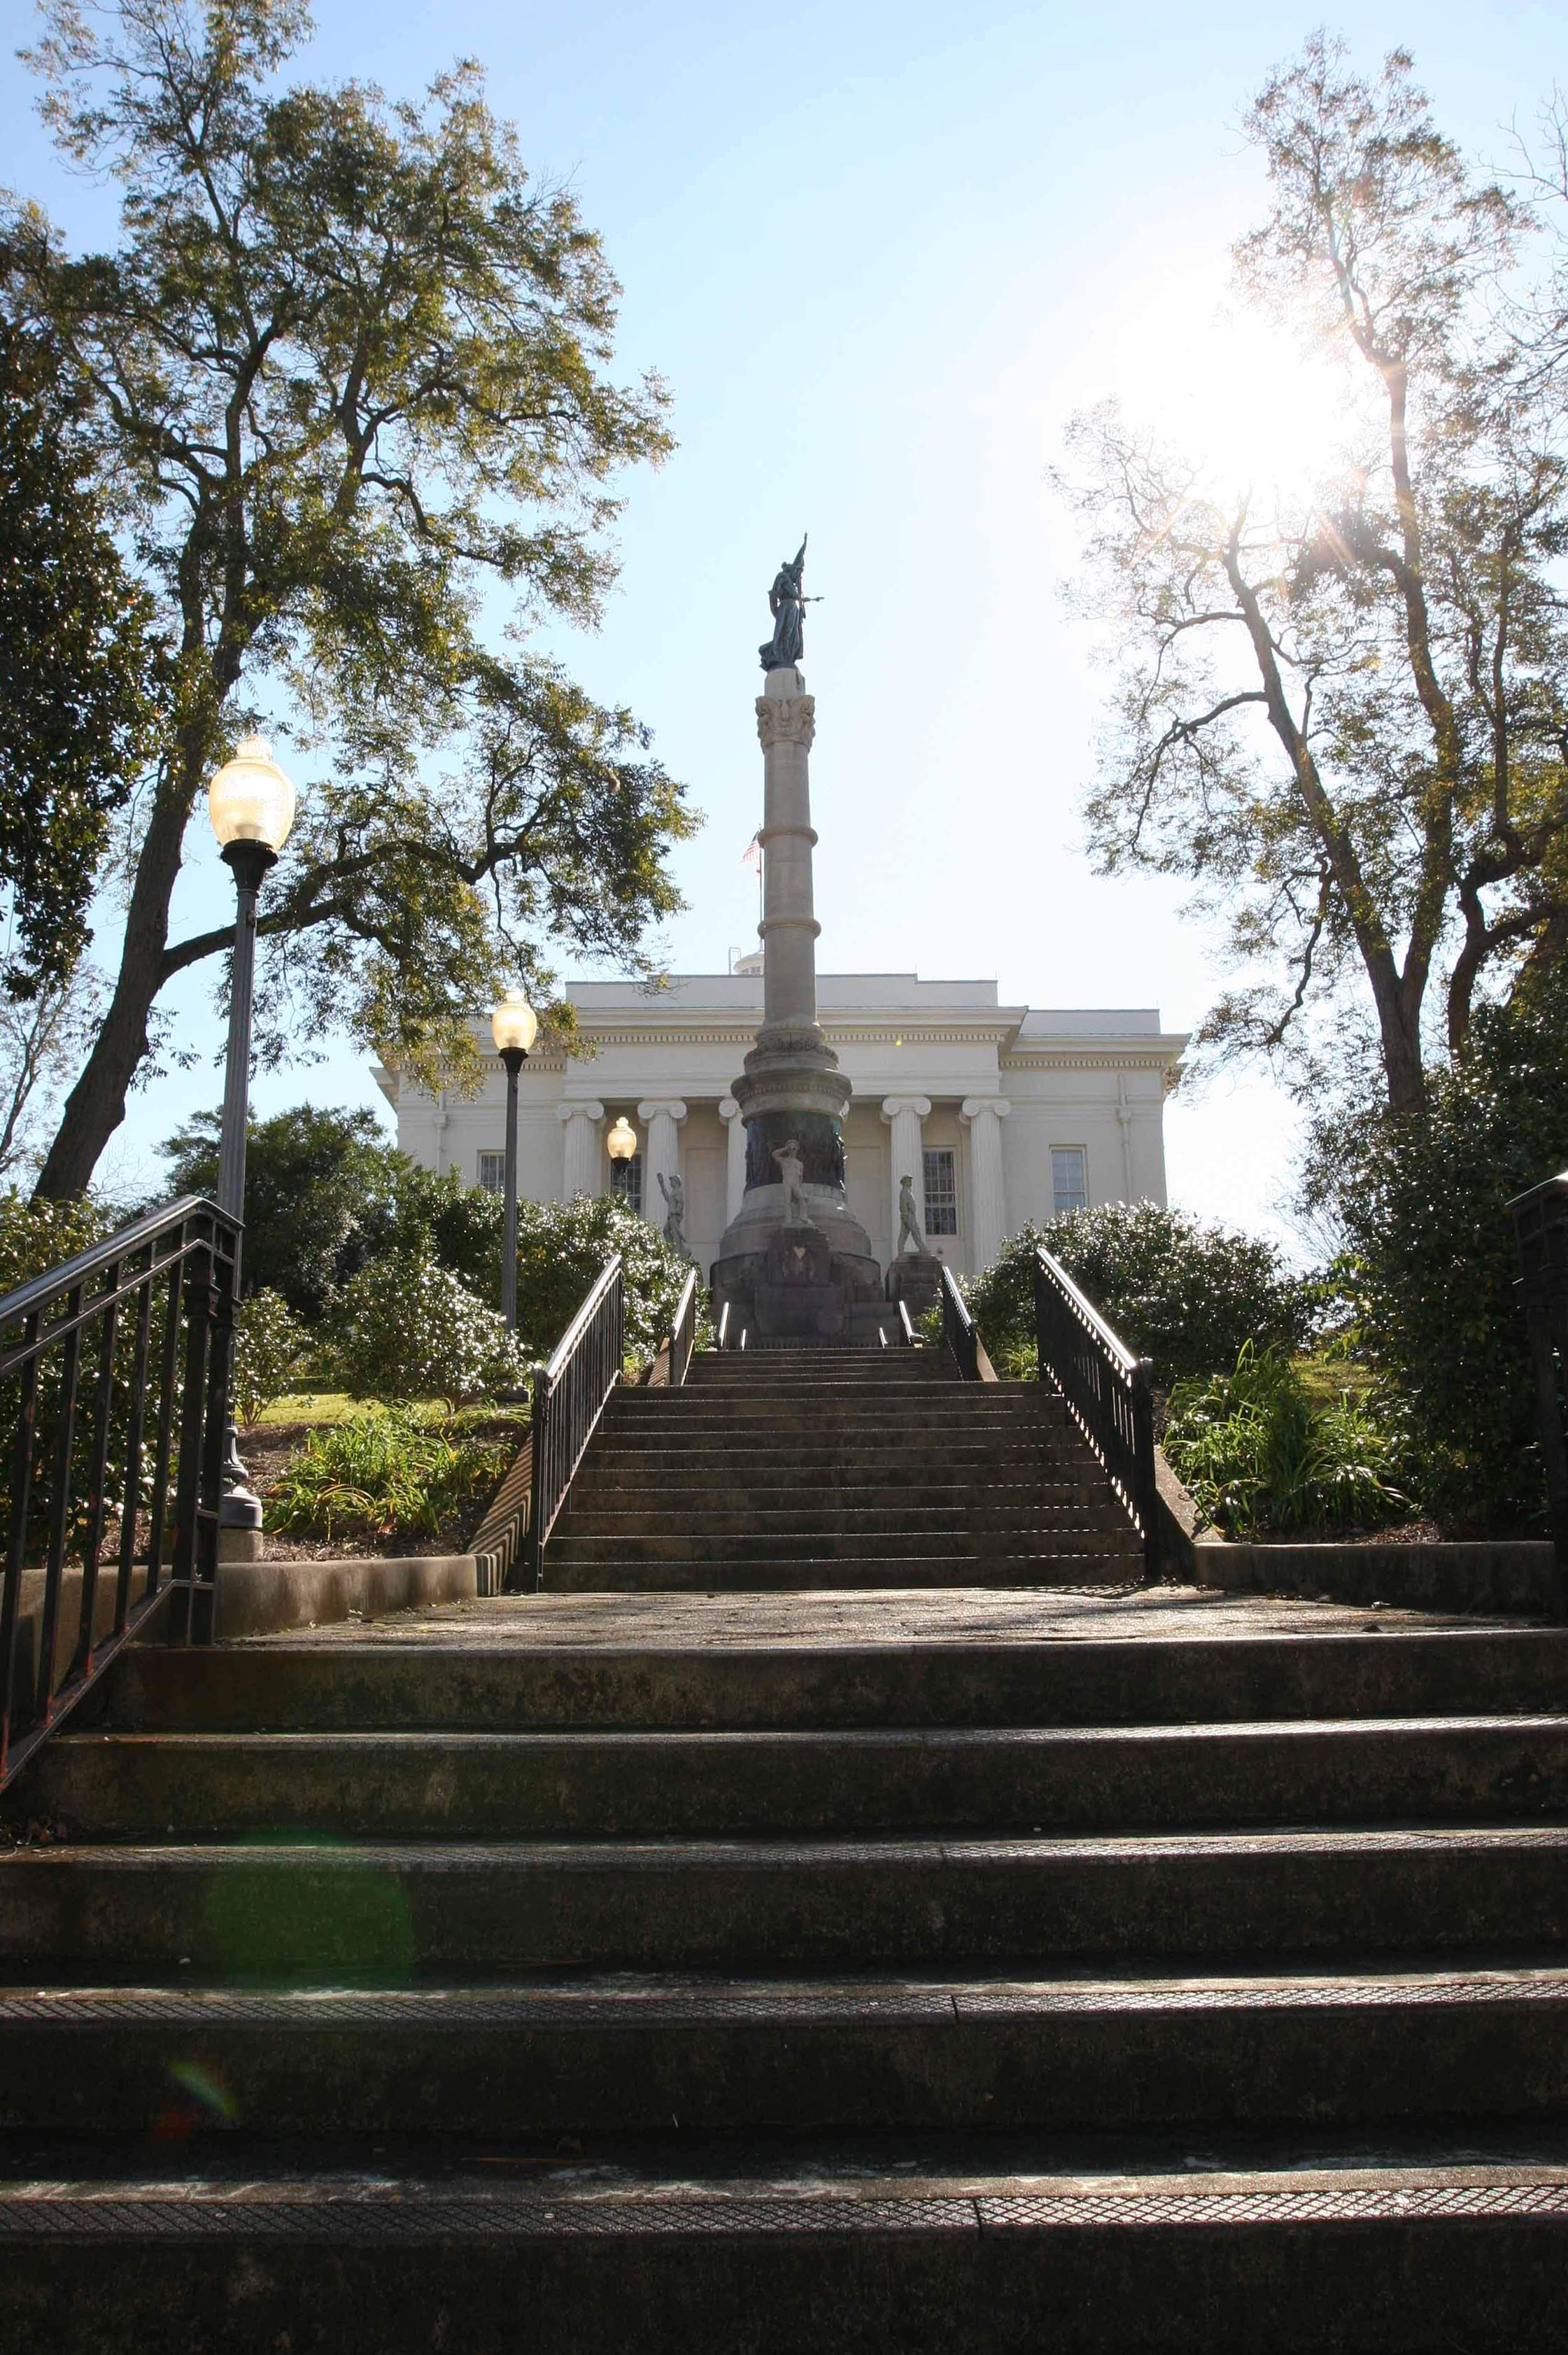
671,1105
728,1108
581,1111
972,1107
893,1105
786,719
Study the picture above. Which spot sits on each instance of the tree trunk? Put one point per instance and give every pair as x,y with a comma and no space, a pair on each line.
96,1105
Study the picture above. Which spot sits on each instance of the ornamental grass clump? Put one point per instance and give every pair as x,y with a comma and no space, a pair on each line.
1264,1457
387,1472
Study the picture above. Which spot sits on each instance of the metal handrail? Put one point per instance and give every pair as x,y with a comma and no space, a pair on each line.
569,1396
958,1327
158,1398
1109,1391
683,1332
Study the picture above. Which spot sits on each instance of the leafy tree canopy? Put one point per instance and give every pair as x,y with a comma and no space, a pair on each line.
1342,711
349,369
80,669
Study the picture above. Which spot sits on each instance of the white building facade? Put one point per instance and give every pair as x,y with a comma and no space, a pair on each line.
1000,1113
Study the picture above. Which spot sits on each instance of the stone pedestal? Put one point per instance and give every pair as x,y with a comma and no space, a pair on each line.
916,1280
792,1088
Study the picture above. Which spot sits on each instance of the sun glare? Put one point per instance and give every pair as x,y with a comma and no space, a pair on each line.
1259,416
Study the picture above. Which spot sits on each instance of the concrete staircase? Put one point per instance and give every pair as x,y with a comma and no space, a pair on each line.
1133,1974
838,1469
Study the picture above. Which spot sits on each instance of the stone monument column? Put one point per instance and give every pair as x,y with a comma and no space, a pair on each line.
735,1158
987,1194
795,1264
661,1116
904,1115
579,1148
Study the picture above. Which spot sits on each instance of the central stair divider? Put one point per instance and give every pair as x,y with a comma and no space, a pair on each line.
568,1398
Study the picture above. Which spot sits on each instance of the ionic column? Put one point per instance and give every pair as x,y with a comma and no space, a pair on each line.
579,1148
735,1163
904,1115
988,1193
660,1116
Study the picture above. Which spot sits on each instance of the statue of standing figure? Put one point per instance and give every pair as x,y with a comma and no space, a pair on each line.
909,1222
792,1172
674,1193
788,606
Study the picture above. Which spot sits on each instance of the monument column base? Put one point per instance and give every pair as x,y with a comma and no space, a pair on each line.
916,1280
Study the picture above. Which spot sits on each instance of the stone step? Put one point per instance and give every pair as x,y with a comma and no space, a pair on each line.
389,1786
960,1407
1340,2047
704,1456
1137,1679
1259,2246
837,1540
391,1910
973,1520
1068,1564
594,1493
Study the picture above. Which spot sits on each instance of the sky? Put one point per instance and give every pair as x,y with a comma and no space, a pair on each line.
881,254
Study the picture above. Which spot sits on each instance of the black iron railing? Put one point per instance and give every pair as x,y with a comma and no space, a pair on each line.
113,1399
959,1328
683,1332
1541,1224
1107,1390
570,1395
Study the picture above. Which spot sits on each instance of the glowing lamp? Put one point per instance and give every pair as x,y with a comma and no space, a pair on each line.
621,1142
251,799
514,1023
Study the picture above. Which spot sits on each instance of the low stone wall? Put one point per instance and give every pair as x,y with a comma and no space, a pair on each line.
260,1598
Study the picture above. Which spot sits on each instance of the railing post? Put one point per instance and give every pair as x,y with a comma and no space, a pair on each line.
1540,1227
1148,1484
529,1558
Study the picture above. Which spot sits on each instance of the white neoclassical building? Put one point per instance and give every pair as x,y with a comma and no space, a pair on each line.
1002,1114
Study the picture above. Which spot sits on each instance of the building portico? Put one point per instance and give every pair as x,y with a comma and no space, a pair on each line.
999,1114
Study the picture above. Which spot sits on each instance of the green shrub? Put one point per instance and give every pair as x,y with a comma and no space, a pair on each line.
270,1347
1428,1276
1261,1455
1187,1295
36,1236
562,1248
387,1473
406,1328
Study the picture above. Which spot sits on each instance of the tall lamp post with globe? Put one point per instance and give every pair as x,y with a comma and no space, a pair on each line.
514,1025
251,805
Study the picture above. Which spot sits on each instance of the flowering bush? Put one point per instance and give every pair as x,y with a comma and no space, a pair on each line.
270,1347
406,1328
562,1248
1187,1295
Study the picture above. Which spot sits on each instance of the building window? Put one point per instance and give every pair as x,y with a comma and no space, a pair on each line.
1069,1180
941,1192
626,1180
492,1172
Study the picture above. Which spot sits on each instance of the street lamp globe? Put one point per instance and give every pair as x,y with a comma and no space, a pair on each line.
514,1025
251,799
621,1142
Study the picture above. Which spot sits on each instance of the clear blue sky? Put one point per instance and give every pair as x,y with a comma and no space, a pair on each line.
881,253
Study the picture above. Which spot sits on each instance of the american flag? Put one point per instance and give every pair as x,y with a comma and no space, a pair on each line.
752,855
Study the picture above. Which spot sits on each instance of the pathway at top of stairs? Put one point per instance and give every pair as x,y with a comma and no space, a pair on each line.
839,1468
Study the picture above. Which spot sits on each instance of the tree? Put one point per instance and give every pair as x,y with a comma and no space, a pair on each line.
42,1039
1344,716
349,369
79,673
1429,1265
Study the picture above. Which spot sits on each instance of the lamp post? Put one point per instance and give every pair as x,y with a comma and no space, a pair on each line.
514,1025
621,1142
251,805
